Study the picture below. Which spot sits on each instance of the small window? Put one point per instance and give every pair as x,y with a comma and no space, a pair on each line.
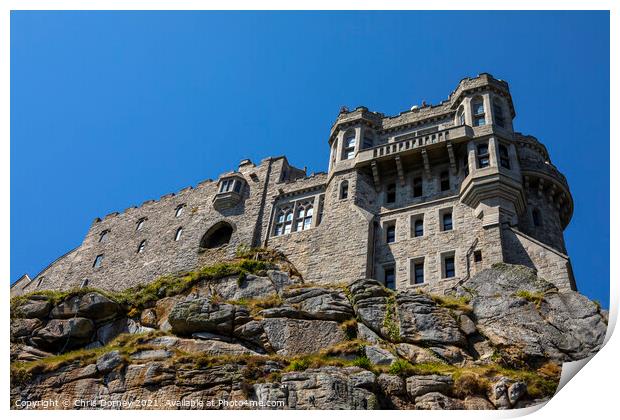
390,193
98,261
478,112
477,256
349,146
40,281
84,283
226,185
498,113
536,218
103,236
446,221
140,224
504,158
448,264
179,210
344,190
177,235
389,278
141,246
417,187
418,228
483,155
418,272
444,178
390,233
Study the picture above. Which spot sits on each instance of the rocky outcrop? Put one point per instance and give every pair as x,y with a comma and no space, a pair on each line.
526,315
267,342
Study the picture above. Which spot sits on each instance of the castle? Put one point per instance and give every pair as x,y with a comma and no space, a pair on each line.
426,198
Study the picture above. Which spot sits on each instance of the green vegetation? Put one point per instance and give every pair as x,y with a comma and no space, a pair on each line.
453,302
350,328
390,322
534,297
257,305
362,362
248,261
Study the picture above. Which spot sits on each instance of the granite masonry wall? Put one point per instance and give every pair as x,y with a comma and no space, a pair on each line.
492,205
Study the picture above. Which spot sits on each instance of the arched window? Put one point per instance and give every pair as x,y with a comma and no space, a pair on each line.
536,218
460,116
218,235
344,190
348,151
477,111
284,221
140,223
179,210
498,113
177,235
303,220
142,246
103,236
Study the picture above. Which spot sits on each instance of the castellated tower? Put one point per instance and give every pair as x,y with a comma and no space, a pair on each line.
425,199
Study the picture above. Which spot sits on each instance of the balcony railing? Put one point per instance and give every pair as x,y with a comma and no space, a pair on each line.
414,142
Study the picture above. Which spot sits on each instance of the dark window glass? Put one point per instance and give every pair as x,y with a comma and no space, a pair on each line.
504,159
417,187
344,190
483,155
237,187
418,272
447,221
478,121
389,278
390,234
449,266
418,228
390,193
445,181
466,165
536,217
477,256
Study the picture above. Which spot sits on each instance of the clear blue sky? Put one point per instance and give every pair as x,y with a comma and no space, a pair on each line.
109,109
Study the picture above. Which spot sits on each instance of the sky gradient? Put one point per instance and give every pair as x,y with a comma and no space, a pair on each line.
109,109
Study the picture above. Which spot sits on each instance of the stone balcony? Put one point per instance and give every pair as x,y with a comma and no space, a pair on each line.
226,200
414,144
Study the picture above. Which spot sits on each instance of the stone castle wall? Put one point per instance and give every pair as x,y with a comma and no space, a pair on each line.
492,205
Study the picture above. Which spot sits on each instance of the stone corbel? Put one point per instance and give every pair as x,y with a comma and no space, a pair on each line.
451,156
375,175
399,169
427,164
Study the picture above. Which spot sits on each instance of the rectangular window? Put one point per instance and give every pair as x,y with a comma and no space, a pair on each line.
389,278
444,181
390,233
478,108
504,158
390,193
226,185
448,263
417,187
446,221
483,155
478,121
477,256
466,165
418,228
418,272
98,261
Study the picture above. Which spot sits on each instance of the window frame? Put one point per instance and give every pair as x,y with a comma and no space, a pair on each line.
141,247
419,185
480,156
179,210
343,192
444,177
349,142
390,192
504,155
178,234
98,261
415,264
387,268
